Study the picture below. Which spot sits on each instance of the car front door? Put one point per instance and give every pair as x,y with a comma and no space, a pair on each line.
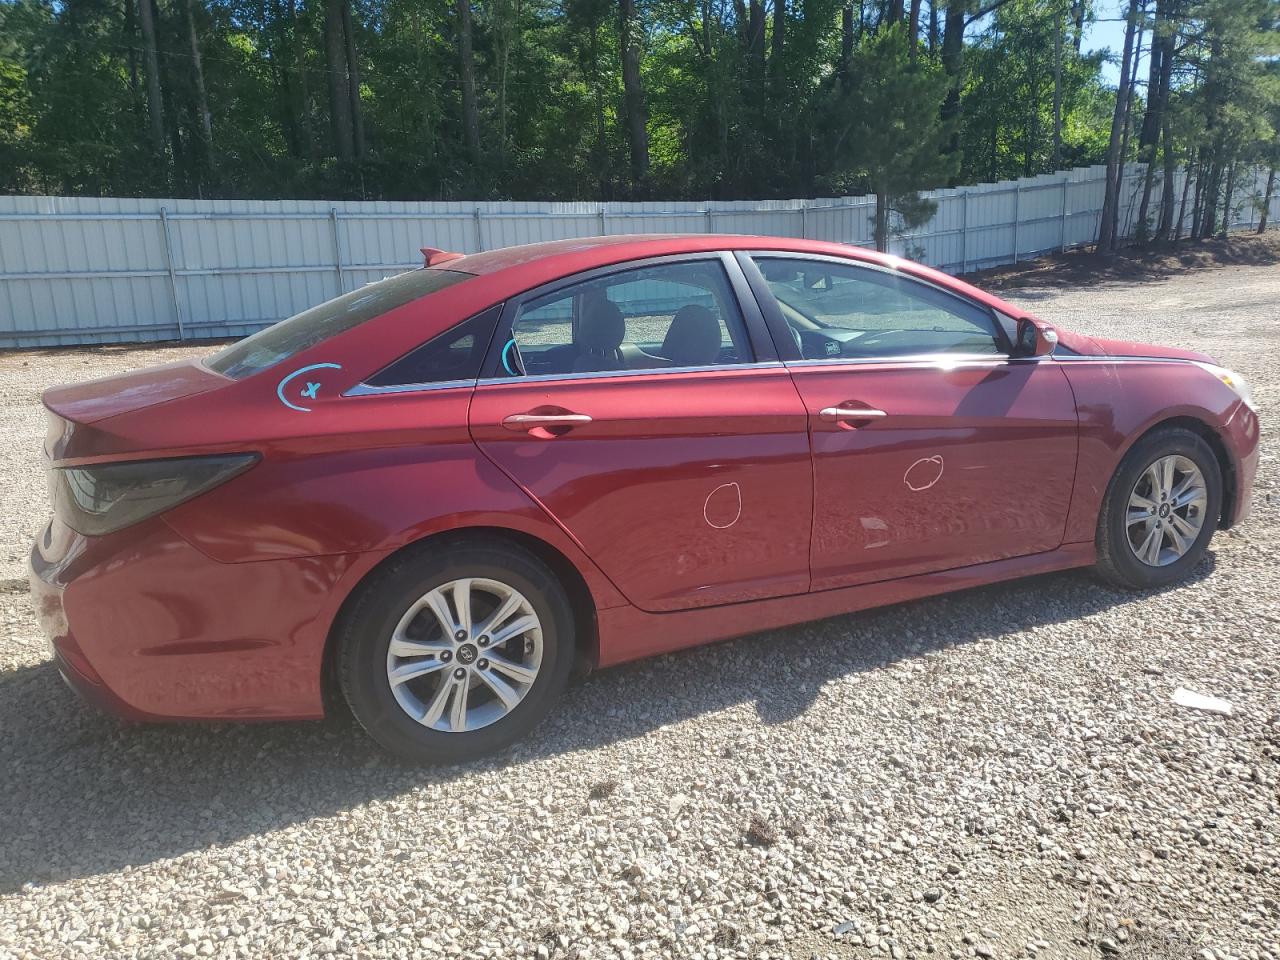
933,448
643,407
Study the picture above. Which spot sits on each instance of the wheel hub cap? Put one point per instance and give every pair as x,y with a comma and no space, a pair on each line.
1166,511
434,667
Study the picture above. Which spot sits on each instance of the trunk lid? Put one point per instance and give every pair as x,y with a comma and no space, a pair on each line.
96,400
76,410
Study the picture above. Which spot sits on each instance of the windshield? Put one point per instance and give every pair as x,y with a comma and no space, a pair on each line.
290,337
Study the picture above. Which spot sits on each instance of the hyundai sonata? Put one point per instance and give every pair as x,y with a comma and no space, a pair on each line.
443,490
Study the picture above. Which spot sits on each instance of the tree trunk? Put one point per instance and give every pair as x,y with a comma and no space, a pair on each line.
882,221
913,25
779,34
933,26
353,80
755,36
1116,236
953,65
1170,173
1111,199
1058,28
1153,121
301,95
633,90
1266,201
197,76
155,108
467,74
846,43
1226,203
1182,206
339,97
894,13
1077,15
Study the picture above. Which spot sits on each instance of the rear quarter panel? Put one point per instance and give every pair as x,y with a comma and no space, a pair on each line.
1118,401
358,475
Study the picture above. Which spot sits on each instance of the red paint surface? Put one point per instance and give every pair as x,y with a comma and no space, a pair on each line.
694,506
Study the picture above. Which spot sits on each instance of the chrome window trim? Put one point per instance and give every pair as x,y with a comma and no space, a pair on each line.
918,359
365,390
600,374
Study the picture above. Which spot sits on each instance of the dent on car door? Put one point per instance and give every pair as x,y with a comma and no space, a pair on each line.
634,405
933,449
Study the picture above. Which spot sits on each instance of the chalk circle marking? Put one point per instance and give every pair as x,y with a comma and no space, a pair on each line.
926,476
309,392
706,507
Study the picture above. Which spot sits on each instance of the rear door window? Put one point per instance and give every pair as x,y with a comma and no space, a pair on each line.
304,330
665,316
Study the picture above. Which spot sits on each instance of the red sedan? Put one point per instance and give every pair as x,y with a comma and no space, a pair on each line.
444,490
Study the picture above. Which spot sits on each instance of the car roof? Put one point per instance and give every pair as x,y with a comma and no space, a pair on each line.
529,265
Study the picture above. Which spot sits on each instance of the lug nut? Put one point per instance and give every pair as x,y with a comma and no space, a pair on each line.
460,635
459,674
483,641
446,656
482,664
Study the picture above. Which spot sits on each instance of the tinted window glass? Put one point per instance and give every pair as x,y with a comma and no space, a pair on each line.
455,354
289,337
838,311
650,318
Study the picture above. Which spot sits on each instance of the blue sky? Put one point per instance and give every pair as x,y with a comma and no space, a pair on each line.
1108,32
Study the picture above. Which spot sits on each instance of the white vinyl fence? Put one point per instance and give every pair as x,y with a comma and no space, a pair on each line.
84,270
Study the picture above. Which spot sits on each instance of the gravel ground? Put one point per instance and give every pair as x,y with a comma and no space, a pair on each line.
998,773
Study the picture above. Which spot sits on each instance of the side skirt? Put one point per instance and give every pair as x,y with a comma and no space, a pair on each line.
627,633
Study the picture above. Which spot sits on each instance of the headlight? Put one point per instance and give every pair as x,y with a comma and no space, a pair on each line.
103,498
1232,380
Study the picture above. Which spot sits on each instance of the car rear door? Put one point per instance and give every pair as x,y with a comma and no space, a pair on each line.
933,448
674,453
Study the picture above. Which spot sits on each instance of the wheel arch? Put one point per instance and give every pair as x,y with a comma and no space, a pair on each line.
1206,432
581,601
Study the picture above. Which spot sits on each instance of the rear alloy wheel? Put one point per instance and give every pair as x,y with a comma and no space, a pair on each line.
1160,511
451,654
464,655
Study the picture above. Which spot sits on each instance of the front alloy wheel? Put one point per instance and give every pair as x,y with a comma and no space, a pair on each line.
1160,510
1166,510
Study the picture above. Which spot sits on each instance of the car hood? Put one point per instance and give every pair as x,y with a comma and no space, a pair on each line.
96,400
1102,347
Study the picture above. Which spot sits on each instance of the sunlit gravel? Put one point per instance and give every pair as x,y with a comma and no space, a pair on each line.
998,773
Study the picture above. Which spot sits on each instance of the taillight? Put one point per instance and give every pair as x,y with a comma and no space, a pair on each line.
103,498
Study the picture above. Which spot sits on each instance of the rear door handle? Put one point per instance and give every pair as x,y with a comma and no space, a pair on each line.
851,413
531,421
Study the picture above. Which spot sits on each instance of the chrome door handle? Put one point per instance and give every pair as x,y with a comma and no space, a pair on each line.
849,413
530,421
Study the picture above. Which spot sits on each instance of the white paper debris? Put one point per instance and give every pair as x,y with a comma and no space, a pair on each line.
1198,701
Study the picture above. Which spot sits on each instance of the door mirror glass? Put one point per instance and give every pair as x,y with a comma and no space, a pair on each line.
1035,340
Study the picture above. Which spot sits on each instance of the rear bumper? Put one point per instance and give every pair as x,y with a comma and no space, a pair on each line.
145,626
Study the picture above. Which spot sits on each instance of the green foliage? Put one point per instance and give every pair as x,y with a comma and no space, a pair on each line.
728,116
889,130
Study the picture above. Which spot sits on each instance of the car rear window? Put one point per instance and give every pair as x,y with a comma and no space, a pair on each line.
290,337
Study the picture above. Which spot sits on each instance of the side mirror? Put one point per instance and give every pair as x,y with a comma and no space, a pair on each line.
1034,340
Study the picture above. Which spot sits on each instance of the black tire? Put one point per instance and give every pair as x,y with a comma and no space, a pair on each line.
364,635
1118,562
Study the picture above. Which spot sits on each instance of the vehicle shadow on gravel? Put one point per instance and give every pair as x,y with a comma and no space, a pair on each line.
83,794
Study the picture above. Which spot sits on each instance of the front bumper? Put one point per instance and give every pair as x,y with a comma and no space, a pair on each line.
1241,434
146,626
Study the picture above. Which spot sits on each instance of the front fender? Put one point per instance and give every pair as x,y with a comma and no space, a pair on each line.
1120,400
